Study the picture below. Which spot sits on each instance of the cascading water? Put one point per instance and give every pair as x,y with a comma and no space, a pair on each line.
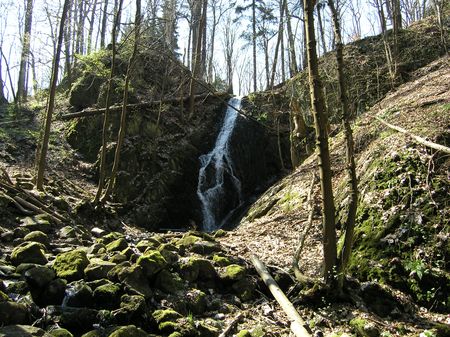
218,189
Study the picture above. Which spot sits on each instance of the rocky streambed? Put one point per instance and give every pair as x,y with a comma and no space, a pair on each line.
77,282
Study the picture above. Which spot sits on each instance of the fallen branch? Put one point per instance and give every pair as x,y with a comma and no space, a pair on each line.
118,108
418,139
29,205
297,323
231,325
298,274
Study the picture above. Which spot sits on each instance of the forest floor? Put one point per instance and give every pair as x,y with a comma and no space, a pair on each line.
276,222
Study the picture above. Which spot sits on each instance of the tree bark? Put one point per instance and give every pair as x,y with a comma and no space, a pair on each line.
104,21
293,58
320,123
91,26
255,86
321,30
123,117
350,157
67,35
21,85
277,47
41,161
102,170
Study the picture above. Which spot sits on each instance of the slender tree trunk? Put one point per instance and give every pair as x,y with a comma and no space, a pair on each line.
41,160
266,60
293,58
123,117
104,22
197,62
321,30
8,71
320,122
3,99
350,157
21,86
213,36
102,171
255,85
277,47
67,35
91,26
33,71
204,48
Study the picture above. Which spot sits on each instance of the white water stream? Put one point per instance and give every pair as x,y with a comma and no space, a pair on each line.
217,168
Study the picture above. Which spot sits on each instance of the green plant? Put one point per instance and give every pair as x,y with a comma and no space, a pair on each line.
417,267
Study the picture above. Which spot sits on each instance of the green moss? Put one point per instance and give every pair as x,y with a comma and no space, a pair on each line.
221,261
28,252
244,333
117,245
233,273
166,315
129,331
152,262
60,332
168,282
188,240
71,265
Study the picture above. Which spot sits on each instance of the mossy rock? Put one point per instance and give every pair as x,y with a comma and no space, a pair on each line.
363,328
78,320
129,331
117,245
60,332
98,269
196,268
233,273
38,222
244,289
150,243
196,301
133,277
3,297
206,330
22,331
28,252
37,236
71,265
133,309
188,241
168,282
205,247
79,295
110,237
244,333
167,315
13,313
39,276
107,296
170,253
152,262
221,261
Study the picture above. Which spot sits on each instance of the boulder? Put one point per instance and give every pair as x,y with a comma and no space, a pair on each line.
166,315
117,245
39,276
60,332
98,269
129,331
107,296
196,301
196,268
38,222
79,295
78,320
168,282
233,273
13,313
71,265
37,236
150,243
152,262
53,293
133,308
22,331
28,252
133,278
205,247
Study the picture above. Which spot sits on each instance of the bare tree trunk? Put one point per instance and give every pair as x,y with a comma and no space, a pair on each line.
277,47
321,30
91,26
21,85
255,86
104,21
67,56
197,61
204,48
350,157
293,57
8,71
33,71
320,122
298,132
123,117
3,99
102,170
41,160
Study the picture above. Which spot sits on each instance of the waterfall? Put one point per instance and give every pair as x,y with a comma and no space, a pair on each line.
218,189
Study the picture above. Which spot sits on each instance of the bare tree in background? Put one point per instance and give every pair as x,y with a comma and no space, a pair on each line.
24,58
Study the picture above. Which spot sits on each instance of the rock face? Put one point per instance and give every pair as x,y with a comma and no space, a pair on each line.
158,175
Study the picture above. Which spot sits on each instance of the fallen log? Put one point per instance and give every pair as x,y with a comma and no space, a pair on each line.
118,108
231,325
297,323
418,139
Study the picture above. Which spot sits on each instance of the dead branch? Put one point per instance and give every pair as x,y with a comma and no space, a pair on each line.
117,108
297,323
418,139
33,207
298,274
231,325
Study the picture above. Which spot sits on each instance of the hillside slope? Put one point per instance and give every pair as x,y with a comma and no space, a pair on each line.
402,233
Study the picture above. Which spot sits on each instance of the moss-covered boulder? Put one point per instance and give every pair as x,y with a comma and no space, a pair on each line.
98,269
167,315
168,282
22,331
13,313
129,331
117,245
188,241
71,265
37,236
221,261
207,330
110,237
107,296
196,301
133,309
150,243
364,328
39,276
79,295
60,332
78,320
38,222
152,262
195,268
28,252
133,278
205,247
244,333
244,289
233,273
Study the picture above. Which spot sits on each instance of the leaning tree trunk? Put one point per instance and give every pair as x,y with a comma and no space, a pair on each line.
320,123
123,117
101,179
277,48
51,102
350,157
254,44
